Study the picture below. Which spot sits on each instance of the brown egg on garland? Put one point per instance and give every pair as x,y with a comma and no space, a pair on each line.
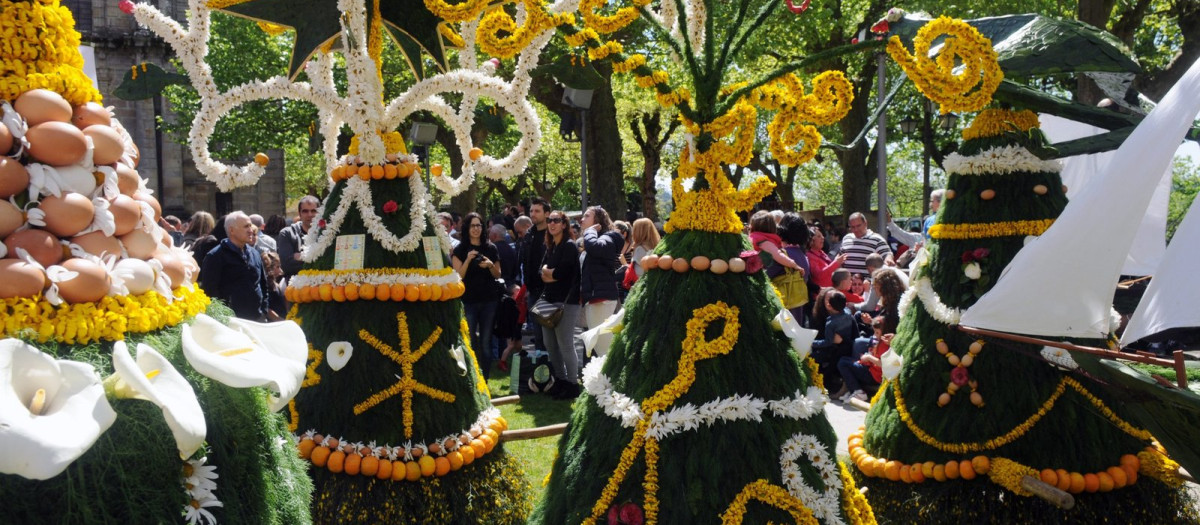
126,213
67,215
39,106
153,202
56,143
140,244
98,243
14,178
20,279
90,114
41,245
172,266
6,140
106,144
128,180
90,284
11,218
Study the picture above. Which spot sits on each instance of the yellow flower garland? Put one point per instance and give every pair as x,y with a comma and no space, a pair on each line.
108,319
1158,466
935,78
393,142
1021,429
854,502
986,230
773,495
41,51
407,384
497,22
459,12
994,122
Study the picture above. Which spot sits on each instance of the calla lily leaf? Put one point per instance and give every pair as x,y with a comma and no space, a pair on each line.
51,411
248,354
153,378
802,338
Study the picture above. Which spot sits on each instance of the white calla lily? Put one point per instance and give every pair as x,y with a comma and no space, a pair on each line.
802,338
51,411
460,356
597,340
891,363
152,377
338,354
247,354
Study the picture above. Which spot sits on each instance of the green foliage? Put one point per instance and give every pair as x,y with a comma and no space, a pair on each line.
304,172
1185,183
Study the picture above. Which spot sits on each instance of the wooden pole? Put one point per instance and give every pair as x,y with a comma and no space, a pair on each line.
506,400
532,433
1054,496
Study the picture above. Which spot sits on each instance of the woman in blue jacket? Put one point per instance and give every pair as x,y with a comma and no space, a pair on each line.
598,287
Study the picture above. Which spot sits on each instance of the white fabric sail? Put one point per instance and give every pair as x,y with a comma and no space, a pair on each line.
1062,283
1171,299
1150,243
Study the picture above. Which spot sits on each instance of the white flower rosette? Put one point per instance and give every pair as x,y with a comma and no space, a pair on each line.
247,354
151,377
51,411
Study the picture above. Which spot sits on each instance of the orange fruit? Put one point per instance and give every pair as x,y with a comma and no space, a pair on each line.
951,470
337,462
916,474
905,473
891,470
965,470
449,291
389,171
426,293
939,472
981,464
306,448
339,294
927,469
475,153
478,446
1077,483
866,466
405,169
441,466
854,442
366,291
456,460
412,471
879,469
370,466
383,292
353,464
364,172
1131,475
326,291
1091,483
385,469
1130,460
351,291
320,455
412,293
493,434
1064,479
468,454
435,293
397,292
427,463
399,470
1118,476
1106,481
1049,477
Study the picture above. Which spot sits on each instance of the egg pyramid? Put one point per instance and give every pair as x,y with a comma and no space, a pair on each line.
950,439
102,418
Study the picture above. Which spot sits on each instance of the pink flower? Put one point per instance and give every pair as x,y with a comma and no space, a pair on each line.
959,376
321,223
631,514
614,517
390,207
126,7
981,253
753,262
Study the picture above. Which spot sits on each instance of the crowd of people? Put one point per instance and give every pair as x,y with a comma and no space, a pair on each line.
536,270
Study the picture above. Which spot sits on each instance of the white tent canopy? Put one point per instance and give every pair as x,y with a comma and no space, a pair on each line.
1151,240
1061,284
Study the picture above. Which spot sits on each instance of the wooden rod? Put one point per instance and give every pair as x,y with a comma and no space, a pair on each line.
506,400
1054,496
533,433
1180,370
1177,363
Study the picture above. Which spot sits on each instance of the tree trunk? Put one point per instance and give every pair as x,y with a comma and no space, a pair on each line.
1096,13
650,138
606,178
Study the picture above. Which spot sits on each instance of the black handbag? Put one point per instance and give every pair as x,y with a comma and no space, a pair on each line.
546,313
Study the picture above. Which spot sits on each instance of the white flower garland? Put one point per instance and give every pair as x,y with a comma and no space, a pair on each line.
358,192
825,504
392,453
802,405
1059,357
999,160
199,486
375,277
923,288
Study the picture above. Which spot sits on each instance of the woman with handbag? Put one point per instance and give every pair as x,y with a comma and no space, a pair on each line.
792,284
477,262
600,257
560,273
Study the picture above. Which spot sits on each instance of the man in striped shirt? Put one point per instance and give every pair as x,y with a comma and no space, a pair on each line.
860,242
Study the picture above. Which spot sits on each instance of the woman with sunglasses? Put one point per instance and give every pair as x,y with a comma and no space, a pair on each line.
560,273
599,260
477,262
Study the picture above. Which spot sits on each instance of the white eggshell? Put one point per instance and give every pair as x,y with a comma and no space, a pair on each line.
138,274
77,179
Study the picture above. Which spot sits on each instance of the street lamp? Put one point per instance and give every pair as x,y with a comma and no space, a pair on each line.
580,100
422,135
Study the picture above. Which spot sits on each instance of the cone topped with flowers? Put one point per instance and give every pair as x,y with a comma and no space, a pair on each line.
974,429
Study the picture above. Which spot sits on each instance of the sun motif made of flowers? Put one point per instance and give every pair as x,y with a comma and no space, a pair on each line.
406,385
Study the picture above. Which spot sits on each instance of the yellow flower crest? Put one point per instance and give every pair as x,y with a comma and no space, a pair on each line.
1021,429
715,208
969,90
517,37
459,12
41,51
452,37
985,230
994,122
393,142
108,319
622,17
773,495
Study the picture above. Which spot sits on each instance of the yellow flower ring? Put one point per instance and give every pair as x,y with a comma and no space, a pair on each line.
773,495
108,319
1021,429
969,90
986,230
994,122
497,22
382,284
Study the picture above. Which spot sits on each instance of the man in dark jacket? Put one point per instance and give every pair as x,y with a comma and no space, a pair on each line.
290,240
533,250
233,272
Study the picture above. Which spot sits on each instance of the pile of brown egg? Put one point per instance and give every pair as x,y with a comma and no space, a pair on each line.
96,233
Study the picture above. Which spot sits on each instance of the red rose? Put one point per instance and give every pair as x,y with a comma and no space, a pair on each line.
631,514
614,517
981,253
321,223
390,207
959,376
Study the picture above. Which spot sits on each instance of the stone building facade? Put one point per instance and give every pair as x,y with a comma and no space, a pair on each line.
119,44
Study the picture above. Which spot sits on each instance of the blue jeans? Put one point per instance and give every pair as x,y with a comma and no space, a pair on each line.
855,374
480,318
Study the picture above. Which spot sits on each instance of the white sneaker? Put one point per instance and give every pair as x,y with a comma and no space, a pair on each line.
859,395
844,397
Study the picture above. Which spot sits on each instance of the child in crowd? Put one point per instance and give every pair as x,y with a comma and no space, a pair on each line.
862,372
837,340
842,281
764,237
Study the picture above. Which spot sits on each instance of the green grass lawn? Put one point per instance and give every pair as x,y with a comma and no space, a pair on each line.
534,410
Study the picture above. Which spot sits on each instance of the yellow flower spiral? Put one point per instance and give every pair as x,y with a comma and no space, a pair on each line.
994,122
969,90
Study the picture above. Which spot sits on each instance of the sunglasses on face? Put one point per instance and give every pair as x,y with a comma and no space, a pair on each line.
555,220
